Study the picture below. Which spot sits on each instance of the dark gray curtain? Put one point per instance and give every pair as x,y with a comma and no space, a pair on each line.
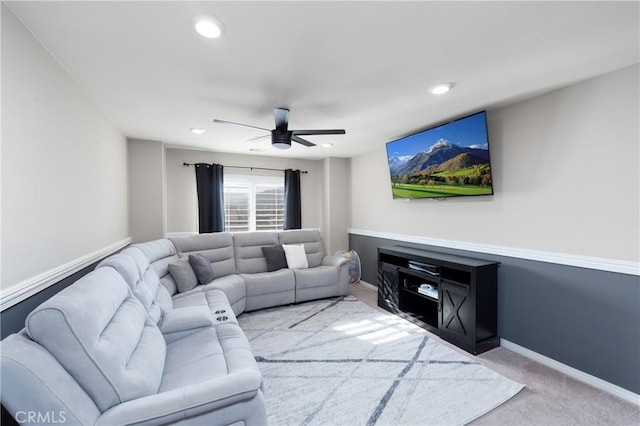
292,204
210,187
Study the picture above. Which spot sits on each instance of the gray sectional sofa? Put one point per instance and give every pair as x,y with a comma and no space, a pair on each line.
123,345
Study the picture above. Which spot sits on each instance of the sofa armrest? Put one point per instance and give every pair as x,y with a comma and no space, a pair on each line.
333,261
192,400
184,321
342,265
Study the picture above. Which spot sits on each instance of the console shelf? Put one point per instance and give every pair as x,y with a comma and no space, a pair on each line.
452,296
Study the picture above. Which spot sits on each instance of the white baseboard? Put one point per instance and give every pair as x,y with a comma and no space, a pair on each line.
27,288
573,373
599,263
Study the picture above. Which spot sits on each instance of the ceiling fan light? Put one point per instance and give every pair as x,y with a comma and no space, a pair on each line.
281,139
208,26
281,145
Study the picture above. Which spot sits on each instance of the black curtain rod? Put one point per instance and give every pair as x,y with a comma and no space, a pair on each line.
250,168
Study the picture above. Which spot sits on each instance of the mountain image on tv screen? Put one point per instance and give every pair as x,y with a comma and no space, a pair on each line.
446,161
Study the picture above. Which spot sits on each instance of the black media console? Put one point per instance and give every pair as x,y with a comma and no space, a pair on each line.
454,297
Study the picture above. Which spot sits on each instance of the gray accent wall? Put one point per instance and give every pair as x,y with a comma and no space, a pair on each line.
587,319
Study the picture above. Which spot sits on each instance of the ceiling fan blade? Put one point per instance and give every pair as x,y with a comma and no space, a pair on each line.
257,138
302,141
281,117
215,120
319,132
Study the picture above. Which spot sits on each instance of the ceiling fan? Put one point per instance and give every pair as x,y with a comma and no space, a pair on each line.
281,136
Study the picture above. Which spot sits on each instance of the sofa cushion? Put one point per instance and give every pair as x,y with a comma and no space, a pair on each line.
313,245
205,355
317,277
296,257
234,289
101,334
32,380
133,266
269,282
150,278
160,253
156,249
275,257
268,289
183,275
216,247
248,250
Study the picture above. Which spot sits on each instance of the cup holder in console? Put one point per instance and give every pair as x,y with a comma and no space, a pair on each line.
222,318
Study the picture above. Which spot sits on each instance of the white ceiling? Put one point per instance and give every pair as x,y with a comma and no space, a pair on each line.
362,66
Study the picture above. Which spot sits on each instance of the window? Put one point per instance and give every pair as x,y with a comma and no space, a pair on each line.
253,203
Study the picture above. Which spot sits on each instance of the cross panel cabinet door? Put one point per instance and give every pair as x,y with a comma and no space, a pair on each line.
456,315
388,285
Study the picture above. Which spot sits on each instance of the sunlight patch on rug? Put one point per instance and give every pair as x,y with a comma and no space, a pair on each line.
340,362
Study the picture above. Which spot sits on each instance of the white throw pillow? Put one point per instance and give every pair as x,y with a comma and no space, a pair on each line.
296,257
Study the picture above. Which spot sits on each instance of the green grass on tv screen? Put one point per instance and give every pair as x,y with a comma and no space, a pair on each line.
410,190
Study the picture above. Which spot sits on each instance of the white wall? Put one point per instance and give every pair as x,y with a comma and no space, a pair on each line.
147,218
182,200
64,166
565,171
336,203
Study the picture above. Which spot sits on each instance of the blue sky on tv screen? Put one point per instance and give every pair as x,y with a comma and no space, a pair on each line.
467,132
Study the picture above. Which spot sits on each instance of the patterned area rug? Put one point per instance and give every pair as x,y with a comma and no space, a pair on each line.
340,362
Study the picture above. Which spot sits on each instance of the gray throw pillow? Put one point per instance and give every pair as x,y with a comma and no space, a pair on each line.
202,267
183,275
274,255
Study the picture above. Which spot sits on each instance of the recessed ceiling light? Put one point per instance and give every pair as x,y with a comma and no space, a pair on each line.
441,89
208,26
197,130
327,145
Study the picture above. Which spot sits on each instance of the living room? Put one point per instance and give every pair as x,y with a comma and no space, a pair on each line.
563,220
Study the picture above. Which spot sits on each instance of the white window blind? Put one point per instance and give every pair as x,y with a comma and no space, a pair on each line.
237,207
269,207
253,203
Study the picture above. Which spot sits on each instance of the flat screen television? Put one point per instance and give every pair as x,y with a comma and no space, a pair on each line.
450,160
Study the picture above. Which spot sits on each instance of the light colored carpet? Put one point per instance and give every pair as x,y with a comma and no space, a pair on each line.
340,362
